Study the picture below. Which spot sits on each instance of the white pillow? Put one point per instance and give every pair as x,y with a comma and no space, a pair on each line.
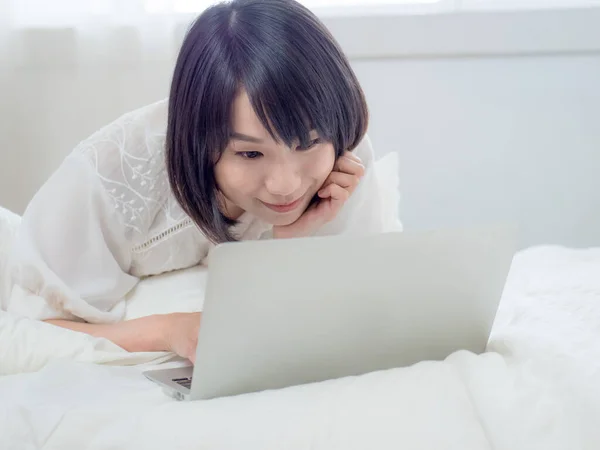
388,175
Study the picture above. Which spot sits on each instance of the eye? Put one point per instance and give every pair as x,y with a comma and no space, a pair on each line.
310,145
250,155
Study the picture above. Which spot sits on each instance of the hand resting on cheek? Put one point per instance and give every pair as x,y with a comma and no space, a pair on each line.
336,190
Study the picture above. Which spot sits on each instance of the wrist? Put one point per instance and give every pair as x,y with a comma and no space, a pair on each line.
160,329
144,334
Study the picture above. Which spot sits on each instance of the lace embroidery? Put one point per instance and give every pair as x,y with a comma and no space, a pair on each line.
163,235
128,156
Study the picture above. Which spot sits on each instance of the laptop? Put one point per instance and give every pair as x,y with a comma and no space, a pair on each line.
279,313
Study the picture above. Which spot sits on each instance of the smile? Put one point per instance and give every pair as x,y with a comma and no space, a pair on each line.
283,208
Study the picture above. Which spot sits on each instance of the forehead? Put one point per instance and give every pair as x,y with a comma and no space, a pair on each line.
244,120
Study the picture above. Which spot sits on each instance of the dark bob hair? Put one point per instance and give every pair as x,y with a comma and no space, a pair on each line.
297,79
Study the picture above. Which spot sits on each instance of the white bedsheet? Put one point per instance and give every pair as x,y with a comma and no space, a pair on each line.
538,388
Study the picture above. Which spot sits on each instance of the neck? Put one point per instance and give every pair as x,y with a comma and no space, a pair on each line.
230,210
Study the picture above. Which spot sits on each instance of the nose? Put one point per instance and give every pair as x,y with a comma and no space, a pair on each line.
283,180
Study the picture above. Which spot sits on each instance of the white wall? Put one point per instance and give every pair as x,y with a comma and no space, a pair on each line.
494,139
52,109
482,136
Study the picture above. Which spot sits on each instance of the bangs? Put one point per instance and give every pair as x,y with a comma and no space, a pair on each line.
300,83
288,105
289,123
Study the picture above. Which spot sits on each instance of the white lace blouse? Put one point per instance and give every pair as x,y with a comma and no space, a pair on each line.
107,218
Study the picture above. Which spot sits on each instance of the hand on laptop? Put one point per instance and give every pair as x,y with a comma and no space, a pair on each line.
181,334
341,183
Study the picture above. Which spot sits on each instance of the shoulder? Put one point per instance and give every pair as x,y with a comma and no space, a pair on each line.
127,156
139,133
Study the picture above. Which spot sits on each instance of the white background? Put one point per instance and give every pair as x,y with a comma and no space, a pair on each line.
495,114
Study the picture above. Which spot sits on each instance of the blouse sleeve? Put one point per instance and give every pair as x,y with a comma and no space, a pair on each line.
71,254
363,213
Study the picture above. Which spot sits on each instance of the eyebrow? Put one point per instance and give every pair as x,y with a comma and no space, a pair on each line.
245,137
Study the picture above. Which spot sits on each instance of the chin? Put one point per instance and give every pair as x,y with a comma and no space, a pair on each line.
276,219
281,220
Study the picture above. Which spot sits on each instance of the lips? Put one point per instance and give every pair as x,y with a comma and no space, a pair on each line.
283,208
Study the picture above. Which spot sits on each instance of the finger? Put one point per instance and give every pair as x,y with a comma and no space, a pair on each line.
335,192
345,180
333,200
338,196
347,165
352,156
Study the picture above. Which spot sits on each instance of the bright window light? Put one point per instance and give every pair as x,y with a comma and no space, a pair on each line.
192,6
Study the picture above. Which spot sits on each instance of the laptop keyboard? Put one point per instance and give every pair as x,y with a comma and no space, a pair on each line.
185,382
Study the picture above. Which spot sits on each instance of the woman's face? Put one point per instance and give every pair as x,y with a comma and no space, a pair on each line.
268,179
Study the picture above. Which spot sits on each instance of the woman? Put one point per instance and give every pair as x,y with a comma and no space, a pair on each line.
263,112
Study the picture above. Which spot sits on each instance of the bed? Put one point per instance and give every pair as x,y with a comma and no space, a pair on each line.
536,387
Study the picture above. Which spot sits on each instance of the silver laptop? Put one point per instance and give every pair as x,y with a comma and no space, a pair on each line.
279,313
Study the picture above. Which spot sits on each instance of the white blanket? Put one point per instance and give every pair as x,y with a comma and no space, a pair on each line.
538,388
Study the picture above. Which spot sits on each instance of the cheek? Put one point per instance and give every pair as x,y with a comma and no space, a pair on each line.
232,178
321,164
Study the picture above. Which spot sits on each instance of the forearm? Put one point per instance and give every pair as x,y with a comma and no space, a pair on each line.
146,334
